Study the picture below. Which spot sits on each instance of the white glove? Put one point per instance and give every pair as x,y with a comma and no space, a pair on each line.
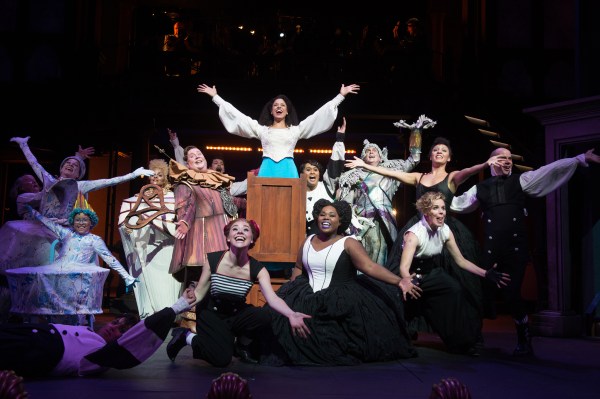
143,172
20,140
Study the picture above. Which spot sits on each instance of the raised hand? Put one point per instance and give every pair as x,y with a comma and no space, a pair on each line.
211,91
85,153
20,140
350,89
356,163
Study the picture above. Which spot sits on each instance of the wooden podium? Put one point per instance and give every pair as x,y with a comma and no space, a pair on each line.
278,205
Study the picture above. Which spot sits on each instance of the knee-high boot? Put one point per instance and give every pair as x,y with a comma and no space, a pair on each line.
524,347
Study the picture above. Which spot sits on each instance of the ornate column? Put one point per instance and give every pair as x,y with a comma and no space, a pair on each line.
571,128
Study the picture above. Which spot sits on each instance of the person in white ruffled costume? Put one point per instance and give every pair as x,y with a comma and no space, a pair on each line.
278,127
149,249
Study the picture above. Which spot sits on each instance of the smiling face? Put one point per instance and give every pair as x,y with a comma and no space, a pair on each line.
82,223
506,163
70,169
279,110
312,174
196,160
440,154
159,178
372,156
240,234
328,220
436,215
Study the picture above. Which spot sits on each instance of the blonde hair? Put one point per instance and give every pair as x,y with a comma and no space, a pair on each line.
425,203
161,165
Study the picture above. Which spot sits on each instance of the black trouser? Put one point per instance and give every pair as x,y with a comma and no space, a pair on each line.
30,349
444,305
217,330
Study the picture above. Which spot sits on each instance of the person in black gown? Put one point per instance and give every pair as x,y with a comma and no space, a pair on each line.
440,180
353,320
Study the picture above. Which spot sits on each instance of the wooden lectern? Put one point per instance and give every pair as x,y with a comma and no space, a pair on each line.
278,205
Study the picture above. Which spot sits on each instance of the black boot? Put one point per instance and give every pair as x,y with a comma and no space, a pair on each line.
177,343
244,353
524,347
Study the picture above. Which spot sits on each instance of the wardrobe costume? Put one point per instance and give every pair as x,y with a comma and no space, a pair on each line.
147,235
353,321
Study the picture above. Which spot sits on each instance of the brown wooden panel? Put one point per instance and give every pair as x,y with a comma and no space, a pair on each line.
279,207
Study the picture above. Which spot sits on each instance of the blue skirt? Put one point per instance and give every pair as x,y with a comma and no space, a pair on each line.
284,168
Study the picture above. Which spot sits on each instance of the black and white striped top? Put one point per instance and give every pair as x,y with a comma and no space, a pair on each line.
231,287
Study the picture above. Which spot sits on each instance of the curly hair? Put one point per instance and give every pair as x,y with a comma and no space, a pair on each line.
254,228
443,141
229,386
425,203
159,164
266,118
450,388
343,209
89,213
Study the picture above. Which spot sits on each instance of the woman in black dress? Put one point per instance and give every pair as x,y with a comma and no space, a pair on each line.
439,180
353,320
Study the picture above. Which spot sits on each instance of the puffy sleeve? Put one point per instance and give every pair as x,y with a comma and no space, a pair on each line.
542,181
235,122
465,203
322,120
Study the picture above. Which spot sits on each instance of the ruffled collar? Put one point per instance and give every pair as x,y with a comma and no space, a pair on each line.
210,178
